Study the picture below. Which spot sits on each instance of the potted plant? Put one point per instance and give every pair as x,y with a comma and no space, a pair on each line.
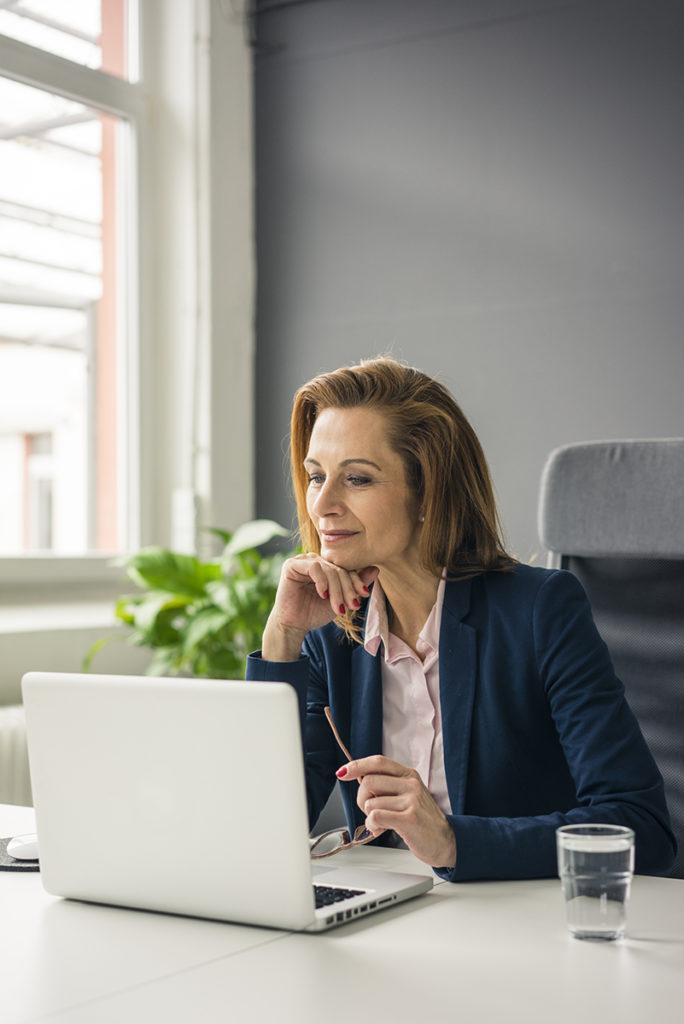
201,618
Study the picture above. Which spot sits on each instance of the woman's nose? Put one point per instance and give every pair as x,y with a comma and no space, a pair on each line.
328,500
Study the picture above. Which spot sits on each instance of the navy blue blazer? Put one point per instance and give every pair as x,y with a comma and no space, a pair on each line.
537,730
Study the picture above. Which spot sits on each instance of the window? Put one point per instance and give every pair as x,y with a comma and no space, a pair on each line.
61,340
64,337
126,284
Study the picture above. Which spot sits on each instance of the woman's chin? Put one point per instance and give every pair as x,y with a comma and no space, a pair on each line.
339,559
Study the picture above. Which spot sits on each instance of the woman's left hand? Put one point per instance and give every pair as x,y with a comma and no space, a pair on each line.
394,796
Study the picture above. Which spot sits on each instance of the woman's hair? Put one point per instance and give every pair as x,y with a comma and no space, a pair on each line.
443,459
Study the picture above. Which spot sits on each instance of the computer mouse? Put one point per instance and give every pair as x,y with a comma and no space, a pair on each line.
23,847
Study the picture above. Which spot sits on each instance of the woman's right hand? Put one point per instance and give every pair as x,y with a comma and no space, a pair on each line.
311,593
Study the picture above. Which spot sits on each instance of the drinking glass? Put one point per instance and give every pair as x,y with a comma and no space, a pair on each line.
595,866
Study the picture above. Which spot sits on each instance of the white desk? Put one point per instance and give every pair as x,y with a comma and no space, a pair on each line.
470,953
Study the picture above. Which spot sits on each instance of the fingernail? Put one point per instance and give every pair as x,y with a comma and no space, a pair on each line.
341,772
366,589
342,609
326,596
357,603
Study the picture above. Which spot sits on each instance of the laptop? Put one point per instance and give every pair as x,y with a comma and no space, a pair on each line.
185,796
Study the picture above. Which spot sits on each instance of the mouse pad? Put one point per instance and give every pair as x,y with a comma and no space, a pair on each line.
8,863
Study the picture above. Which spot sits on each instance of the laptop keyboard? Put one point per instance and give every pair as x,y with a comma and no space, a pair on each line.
326,895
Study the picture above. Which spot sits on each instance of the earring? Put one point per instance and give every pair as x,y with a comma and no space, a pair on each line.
421,519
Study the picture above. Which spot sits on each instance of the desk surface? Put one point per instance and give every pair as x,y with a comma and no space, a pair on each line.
476,952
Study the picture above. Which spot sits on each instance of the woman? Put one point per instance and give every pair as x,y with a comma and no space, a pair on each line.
474,694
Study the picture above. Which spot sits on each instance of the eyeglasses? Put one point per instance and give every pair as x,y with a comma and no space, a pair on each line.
338,838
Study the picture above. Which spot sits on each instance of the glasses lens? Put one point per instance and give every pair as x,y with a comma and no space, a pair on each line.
330,842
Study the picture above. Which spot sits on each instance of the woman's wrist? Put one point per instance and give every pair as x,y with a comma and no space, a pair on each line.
446,859
281,643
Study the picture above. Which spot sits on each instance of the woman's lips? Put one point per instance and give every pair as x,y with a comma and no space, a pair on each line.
336,536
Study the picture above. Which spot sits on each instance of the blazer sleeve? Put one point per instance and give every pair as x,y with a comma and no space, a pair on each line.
616,779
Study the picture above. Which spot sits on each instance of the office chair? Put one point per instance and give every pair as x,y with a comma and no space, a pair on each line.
612,512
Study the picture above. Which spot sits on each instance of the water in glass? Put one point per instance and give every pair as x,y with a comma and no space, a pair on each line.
596,873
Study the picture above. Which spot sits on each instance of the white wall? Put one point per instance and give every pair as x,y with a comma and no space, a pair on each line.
493,191
62,648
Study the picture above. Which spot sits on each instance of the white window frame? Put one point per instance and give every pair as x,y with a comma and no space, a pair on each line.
190,292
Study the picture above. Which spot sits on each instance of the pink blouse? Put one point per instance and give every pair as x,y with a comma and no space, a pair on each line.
411,712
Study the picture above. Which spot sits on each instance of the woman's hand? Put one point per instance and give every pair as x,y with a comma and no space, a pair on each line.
393,796
311,593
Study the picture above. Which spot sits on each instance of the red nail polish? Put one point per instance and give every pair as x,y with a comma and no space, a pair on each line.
357,603
341,772
326,596
366,589
342,609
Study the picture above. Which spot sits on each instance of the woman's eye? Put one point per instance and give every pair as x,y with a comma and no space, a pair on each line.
318,479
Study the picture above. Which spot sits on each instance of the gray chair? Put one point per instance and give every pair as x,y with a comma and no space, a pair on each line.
612,512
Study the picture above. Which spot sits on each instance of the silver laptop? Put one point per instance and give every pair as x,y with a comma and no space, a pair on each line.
185,796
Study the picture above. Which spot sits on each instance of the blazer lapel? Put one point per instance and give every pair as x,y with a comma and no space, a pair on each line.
457,681
366,717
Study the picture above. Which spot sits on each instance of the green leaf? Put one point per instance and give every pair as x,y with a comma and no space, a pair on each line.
148,609
270,569
225,535
223,664
122,608
165,663
156,619
253,535
205,623
222,596
160,569
247,592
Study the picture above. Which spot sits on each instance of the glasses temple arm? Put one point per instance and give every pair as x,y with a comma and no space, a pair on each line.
328,715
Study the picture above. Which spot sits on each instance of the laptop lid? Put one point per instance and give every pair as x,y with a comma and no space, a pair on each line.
179,795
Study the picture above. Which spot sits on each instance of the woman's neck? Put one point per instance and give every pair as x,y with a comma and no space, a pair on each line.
410,600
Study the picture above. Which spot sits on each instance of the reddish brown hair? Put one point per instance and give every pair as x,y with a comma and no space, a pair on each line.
443,459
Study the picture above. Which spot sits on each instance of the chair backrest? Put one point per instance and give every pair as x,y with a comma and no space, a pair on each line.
613,513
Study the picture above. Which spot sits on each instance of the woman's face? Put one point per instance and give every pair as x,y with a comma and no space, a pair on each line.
357,497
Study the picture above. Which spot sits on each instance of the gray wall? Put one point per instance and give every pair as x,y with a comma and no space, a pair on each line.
492,190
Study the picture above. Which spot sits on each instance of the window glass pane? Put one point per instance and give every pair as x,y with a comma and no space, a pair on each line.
61,344
95,33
